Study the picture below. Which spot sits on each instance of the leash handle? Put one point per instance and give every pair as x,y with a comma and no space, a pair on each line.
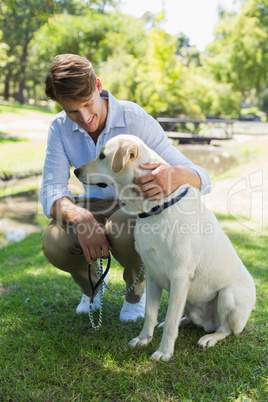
94,288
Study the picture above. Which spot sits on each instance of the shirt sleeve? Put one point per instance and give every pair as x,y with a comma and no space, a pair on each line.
56,172
156,139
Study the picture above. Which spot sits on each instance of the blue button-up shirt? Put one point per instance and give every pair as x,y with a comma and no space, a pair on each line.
68,144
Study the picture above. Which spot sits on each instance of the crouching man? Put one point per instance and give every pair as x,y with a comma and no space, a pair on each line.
94,224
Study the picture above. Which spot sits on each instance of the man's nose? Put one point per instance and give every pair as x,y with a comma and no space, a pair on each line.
84,116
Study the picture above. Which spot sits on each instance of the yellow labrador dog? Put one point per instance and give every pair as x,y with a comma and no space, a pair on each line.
184,251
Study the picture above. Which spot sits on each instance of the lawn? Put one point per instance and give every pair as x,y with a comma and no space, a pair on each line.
48,353
20,157
20,110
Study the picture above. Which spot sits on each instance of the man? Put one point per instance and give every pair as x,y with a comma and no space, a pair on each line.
95,224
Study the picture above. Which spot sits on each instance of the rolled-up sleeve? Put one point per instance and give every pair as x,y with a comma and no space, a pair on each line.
56,172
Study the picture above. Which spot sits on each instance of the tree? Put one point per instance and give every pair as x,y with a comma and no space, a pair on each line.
102,5
215,99
20,19
98,37
239,53
160,78
188,54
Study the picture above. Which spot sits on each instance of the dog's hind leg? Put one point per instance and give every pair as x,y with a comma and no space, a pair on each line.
233,308
153,297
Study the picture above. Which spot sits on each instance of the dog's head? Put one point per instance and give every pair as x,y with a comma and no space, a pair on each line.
117,162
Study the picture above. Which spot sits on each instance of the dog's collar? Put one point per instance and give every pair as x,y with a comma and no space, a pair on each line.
159,208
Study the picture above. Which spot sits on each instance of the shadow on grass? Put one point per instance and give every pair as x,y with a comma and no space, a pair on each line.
6,139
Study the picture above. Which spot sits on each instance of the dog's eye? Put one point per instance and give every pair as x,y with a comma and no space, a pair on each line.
101,155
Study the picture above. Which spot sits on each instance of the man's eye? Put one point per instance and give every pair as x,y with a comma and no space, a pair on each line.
101,155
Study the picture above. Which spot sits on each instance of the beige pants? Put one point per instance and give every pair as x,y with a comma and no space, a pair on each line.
62,249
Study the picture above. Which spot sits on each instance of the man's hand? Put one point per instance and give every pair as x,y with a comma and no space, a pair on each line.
163,180
93,241
91,236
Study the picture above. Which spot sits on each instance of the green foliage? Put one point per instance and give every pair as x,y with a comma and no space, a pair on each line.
122,85
19,20
135,58
160,76
238,55
96,36
253,111
188,54
215,98
265,100
3,52
155,82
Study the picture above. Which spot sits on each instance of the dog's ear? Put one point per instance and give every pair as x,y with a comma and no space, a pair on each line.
126,151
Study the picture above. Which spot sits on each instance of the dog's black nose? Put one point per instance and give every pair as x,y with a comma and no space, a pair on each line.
77,172
102,185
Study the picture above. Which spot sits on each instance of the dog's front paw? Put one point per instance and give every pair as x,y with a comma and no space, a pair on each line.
158,355
139,342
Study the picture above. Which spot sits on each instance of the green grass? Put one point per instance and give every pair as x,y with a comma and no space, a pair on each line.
16,108
20,156
48,353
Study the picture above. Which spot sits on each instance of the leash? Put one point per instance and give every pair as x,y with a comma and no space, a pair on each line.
101,278
102,286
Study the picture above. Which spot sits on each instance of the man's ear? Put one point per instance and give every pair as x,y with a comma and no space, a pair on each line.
126,151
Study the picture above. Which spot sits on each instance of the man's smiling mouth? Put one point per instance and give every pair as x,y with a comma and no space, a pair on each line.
89,121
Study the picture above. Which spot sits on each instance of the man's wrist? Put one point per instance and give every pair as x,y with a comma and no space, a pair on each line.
66,210
194,179
187,175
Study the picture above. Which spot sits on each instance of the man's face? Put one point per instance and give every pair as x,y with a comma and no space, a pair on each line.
90,115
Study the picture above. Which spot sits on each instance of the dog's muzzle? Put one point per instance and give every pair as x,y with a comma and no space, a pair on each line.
77,172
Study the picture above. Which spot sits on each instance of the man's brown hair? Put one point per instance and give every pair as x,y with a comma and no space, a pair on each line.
70,77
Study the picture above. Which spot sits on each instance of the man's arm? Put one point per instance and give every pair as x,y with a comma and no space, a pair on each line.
156,139
91,236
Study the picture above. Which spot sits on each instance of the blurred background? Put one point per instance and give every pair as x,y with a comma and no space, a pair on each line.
200,60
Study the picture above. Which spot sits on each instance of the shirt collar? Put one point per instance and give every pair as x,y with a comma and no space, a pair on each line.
115,116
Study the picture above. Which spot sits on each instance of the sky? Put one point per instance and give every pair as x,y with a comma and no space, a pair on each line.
195,18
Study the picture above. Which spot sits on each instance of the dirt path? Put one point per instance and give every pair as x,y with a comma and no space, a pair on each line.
245,195
32,125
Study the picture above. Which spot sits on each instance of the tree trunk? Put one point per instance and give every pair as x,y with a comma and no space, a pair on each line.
20,96
7,86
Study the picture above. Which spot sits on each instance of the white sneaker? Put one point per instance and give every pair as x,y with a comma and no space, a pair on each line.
132,311
83,306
